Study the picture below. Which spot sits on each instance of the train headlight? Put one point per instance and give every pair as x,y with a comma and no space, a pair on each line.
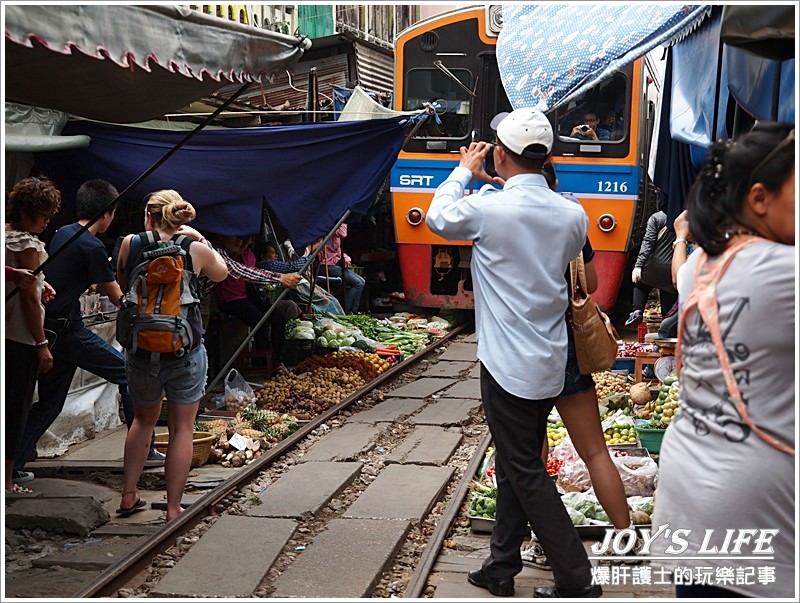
494,20
606,222
415,216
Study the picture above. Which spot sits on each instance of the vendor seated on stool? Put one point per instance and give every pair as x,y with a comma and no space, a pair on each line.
232,295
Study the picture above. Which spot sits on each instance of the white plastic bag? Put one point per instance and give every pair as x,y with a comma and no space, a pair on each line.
638,474
238,392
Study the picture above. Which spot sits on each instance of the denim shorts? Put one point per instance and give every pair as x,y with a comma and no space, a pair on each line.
182,380
574,382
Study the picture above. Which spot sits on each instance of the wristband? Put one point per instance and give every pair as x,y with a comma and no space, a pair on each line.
676,241
41,344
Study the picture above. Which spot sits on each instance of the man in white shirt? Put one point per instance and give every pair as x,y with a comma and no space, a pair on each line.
524,237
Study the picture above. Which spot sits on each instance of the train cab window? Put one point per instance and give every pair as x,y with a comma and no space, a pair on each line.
451,100
599,115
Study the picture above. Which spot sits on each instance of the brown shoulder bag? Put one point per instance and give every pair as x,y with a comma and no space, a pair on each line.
595,338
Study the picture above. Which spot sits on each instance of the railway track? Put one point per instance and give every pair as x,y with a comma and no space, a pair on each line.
248,537
143,567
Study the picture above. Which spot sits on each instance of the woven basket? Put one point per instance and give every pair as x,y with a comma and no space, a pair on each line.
201,446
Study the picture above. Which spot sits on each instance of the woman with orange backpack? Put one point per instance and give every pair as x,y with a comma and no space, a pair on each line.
179,375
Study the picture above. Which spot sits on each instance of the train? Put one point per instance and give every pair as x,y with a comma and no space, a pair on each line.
448,63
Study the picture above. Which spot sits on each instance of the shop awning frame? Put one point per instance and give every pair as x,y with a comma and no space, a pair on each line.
127,64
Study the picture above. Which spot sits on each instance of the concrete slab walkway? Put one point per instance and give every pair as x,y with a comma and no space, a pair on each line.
426,445
401,492
344,561
306,488
255,543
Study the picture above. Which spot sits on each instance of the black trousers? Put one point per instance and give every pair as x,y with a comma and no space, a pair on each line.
525,493
21,364
641,292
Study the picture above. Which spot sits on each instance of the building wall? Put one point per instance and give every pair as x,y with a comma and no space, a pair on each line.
377,23
429,10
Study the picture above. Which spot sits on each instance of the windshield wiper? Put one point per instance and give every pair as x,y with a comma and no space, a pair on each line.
440,66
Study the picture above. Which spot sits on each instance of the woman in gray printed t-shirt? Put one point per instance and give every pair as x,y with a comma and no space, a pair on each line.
727,461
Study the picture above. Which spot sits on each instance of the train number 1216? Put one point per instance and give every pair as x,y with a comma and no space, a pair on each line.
612,186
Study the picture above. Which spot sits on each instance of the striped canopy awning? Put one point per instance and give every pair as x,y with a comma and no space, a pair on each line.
125,64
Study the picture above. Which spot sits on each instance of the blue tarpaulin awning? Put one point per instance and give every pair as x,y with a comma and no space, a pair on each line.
747,77
309,174
695,66
549,53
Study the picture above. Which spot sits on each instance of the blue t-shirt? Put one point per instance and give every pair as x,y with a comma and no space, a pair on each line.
82,263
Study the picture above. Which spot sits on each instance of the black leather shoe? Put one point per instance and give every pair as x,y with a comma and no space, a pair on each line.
634,318
502,587
593,590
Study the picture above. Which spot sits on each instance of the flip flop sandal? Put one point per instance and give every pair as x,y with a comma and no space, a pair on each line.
139,505
17,489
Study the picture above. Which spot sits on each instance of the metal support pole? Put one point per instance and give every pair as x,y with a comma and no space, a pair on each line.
224,370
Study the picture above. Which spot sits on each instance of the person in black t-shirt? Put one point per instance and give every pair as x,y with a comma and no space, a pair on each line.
73,269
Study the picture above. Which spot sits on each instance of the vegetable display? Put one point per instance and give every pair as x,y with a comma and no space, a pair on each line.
583,507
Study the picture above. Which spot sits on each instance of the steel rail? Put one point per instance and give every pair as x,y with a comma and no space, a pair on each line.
419,579
139,558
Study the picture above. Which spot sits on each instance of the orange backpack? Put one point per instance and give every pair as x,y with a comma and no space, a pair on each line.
161,310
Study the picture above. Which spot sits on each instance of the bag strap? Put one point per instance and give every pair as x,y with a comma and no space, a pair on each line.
138,243
704,297
184,243
577,271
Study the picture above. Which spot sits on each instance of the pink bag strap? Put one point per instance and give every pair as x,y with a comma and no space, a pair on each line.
704,297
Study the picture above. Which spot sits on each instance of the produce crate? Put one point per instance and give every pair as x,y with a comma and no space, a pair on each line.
481,524
220,413
650,438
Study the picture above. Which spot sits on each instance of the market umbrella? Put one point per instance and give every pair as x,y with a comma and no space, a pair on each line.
767,31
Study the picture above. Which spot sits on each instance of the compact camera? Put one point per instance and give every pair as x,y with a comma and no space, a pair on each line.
488,163
585,128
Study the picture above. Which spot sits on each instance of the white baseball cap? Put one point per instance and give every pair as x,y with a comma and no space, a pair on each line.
521,128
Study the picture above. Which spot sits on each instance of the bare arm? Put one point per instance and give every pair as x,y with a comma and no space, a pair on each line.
680,251
32,310
21,277
112,290
208,262
205,259
122,258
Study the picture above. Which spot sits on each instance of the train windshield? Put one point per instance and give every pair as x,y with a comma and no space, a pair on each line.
602,114
449,91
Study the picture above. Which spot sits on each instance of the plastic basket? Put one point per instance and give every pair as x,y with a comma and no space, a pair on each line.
650,438
201,446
